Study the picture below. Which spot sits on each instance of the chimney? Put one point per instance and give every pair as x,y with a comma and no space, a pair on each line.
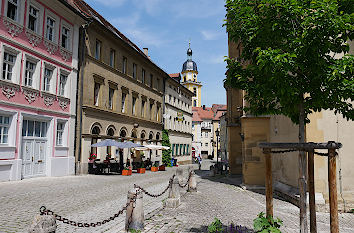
146,51
203,107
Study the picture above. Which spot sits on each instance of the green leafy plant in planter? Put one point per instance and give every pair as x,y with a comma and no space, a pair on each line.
215,226
265,224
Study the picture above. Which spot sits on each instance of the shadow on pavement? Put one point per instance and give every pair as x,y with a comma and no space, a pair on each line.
227,229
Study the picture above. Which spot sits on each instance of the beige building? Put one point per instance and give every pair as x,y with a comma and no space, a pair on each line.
120,93
178,118
246,131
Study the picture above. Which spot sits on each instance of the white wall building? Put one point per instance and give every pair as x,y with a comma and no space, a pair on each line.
178,118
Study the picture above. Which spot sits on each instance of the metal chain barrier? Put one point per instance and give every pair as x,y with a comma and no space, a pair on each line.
44,211
185,185
156,195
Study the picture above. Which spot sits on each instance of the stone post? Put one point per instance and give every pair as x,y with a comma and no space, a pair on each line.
43,224
135,213
192,185
173,200
179,174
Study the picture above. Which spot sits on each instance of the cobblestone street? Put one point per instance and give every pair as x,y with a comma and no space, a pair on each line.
95,198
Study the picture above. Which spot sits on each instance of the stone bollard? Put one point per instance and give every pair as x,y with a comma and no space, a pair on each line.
135,213
212,170
173,200
192,185
43,224
179,174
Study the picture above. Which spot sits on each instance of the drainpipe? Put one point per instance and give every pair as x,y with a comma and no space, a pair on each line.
79,96
340,169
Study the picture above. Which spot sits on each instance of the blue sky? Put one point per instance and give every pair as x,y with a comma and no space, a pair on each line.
166,26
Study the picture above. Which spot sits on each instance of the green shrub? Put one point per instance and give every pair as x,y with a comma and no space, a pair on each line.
215,226
267,224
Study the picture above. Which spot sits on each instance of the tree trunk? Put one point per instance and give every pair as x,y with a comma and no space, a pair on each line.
302,171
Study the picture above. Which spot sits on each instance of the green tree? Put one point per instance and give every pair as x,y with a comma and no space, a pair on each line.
166,154
289,64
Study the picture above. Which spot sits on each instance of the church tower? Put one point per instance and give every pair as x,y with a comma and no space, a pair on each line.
190,78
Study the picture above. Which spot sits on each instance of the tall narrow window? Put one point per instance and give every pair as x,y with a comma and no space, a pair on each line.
142,75
30,67
47,78
158,84
62,84
12,9
60,133
134,70
158,113
194,103
98,50
50,29
195,91
124,65
33,19
110,98
112,58
151,111
65,38
143,103
4,129
134,106
9,61
96,93
124,96
151,81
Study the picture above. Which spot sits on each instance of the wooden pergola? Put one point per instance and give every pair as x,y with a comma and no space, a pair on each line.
332,180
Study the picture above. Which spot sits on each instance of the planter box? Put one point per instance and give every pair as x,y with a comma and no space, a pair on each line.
141,170
127,172
162,168
154,169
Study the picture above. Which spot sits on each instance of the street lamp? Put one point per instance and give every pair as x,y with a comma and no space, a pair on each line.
217,133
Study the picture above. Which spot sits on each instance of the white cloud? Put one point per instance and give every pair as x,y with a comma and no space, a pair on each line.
111,3
216,59
210,35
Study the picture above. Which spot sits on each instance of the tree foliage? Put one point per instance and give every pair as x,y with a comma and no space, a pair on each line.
166,154
296,53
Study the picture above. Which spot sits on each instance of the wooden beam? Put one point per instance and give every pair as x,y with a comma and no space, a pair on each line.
311,186
269,182
332,185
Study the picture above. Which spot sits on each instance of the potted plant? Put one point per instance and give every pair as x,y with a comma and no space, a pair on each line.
141,170
126,171
162,167
155,167
92,158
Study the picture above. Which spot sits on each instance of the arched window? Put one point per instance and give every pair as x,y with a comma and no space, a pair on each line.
95,131
158,136
151,136
110,132
123,133
142,135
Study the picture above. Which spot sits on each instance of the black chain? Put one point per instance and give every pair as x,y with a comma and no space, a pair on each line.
156,195
184,185
43,210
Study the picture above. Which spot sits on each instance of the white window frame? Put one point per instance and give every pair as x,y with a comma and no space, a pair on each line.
60,133
47,83
18,10
67,43
8,64
38,18
53,27
4,126
62,90
41,121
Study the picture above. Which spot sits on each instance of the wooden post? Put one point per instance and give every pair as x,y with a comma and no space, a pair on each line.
332,185
269,182
311,184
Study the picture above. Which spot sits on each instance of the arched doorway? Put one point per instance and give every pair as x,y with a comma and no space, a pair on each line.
95,132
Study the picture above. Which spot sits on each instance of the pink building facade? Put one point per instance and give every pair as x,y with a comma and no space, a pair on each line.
39,42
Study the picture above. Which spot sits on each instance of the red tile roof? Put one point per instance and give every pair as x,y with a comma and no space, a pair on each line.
213,113
175,75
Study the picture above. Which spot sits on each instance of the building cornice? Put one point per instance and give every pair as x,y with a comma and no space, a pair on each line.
134,119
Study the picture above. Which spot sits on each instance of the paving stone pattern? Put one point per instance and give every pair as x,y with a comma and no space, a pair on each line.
93,198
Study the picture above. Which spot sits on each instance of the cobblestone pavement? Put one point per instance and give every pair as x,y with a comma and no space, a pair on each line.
86,198
216,197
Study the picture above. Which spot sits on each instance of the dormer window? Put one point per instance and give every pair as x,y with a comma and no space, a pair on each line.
12,9
50,29
65,38
33,19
